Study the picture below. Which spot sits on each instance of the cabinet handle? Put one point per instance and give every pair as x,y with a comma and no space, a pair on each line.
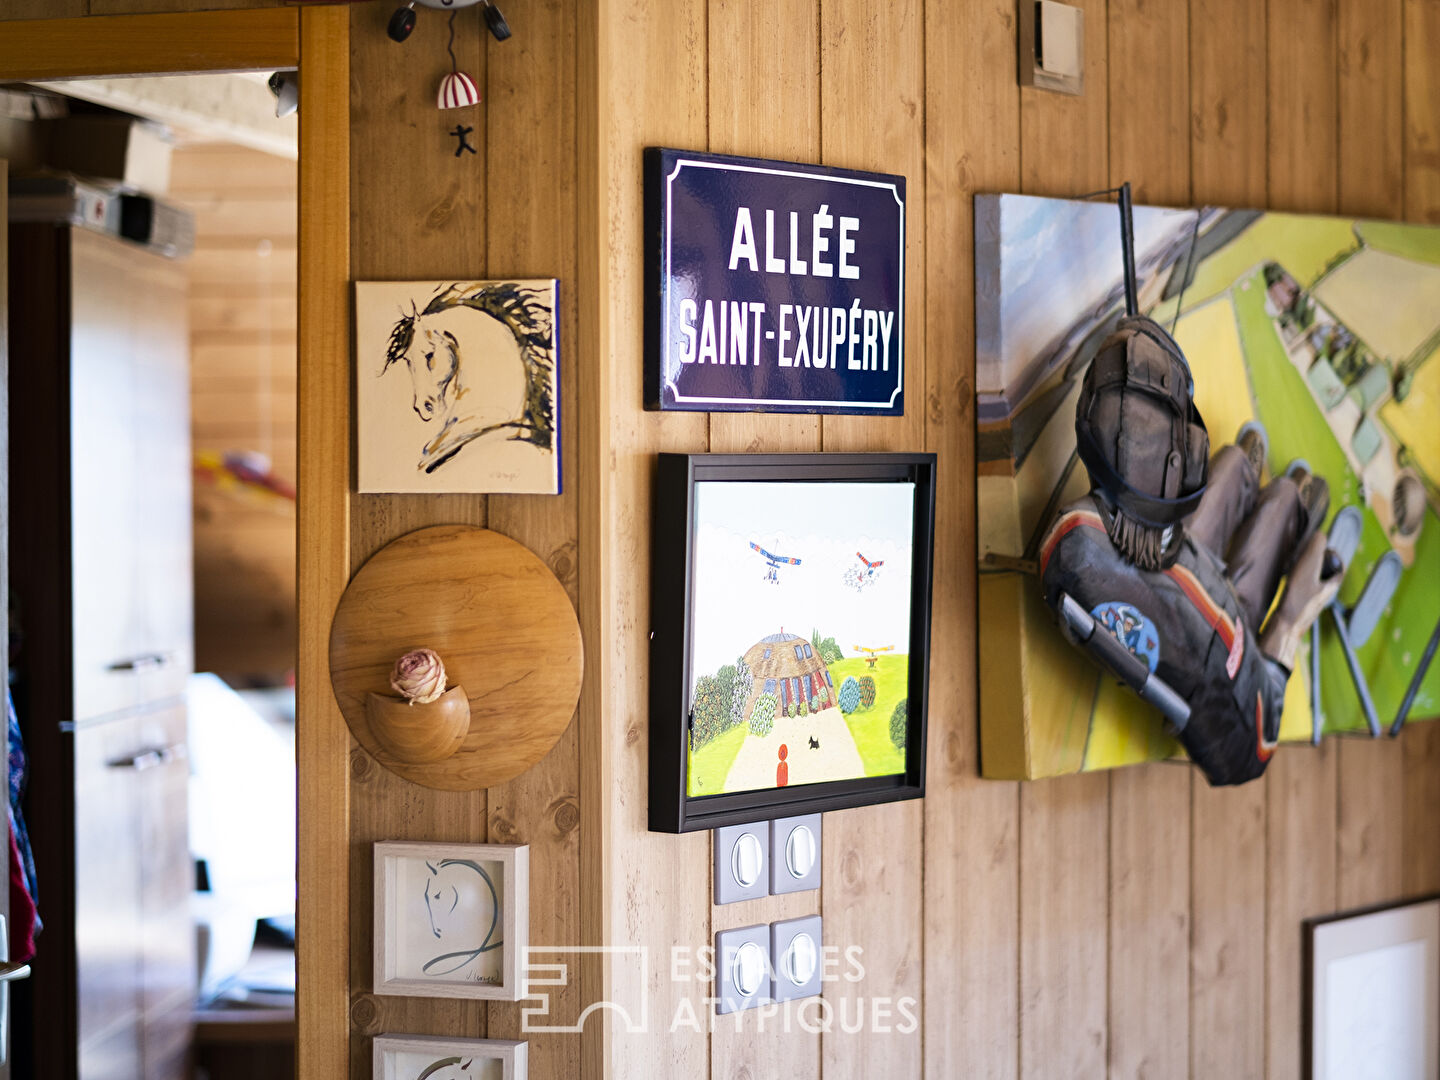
13,970
142,662
152,758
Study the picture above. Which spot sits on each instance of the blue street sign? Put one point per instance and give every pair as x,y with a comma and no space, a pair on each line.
773,287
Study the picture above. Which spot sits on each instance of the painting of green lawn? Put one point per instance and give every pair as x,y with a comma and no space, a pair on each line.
870,727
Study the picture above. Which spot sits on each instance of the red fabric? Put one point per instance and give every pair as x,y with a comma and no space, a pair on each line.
22,910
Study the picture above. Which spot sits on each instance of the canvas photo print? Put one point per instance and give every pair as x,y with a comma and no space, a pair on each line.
1325,331
457,387
800,633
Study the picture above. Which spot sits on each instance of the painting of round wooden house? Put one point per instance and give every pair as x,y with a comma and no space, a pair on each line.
787,668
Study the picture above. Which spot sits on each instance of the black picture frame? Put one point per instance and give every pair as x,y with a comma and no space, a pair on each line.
672,808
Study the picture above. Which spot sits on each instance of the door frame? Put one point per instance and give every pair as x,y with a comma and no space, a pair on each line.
317,40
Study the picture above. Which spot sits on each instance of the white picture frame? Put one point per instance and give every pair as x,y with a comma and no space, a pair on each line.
436,1057
1373,993
437,930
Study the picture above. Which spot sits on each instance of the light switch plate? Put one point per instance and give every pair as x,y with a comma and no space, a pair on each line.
795,949
742,862
1052,46
795,854
742,969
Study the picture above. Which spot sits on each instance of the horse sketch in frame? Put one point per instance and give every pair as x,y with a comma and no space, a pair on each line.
451,920
457,387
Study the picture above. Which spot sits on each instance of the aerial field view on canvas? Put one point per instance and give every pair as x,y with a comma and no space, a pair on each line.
801,635
1324,330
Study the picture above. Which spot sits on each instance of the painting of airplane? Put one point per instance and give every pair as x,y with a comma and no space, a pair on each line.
773,563
872,655
857,577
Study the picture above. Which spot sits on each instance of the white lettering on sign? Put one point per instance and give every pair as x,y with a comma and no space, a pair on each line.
743,245
731,332
745,250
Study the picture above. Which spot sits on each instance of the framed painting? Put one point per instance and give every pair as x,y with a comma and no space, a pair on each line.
789,660
457,387
1372,993
435,1057
451,920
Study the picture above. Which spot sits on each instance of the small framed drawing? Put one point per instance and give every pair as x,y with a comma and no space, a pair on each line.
457,387
790,653
1372,993
434,1057
451,920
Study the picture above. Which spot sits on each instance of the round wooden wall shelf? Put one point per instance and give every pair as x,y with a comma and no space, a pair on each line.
504,628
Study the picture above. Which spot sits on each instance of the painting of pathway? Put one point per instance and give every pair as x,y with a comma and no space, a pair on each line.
836,759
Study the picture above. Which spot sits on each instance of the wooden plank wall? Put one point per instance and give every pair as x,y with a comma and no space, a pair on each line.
243,320
1128,924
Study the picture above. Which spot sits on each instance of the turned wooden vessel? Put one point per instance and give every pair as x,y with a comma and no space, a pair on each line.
417,733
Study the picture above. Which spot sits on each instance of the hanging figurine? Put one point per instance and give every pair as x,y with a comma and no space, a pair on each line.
457,89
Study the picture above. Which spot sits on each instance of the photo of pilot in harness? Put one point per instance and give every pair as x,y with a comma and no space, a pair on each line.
1165,572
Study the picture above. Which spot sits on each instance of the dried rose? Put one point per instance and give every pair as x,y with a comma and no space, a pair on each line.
419,676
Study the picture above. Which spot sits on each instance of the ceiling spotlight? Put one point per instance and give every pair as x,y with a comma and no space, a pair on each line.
496,22
402,22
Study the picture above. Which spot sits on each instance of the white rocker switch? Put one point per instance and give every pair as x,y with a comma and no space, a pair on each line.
795,854
795,945
742,969
742,862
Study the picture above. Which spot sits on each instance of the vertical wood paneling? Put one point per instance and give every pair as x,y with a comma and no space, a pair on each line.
1227,930
436,229
1300,843
873,859
1149,918
1370,95
972,942
658,890
530,232
1301,95
1422,809
1149,927
1149,99
323,917
1422,111
1064,823
1227,102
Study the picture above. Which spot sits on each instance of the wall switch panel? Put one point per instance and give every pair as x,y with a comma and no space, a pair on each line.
743,969
742,862
795,854
1052,46
795,948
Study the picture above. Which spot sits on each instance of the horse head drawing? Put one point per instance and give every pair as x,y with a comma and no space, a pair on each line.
514,397
451,1068
455,890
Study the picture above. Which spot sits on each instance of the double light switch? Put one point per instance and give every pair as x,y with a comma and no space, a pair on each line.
756,965
755,860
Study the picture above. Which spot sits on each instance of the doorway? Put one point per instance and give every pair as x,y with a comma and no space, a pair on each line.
268,40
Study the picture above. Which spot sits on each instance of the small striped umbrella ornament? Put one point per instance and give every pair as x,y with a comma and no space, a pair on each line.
458,90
